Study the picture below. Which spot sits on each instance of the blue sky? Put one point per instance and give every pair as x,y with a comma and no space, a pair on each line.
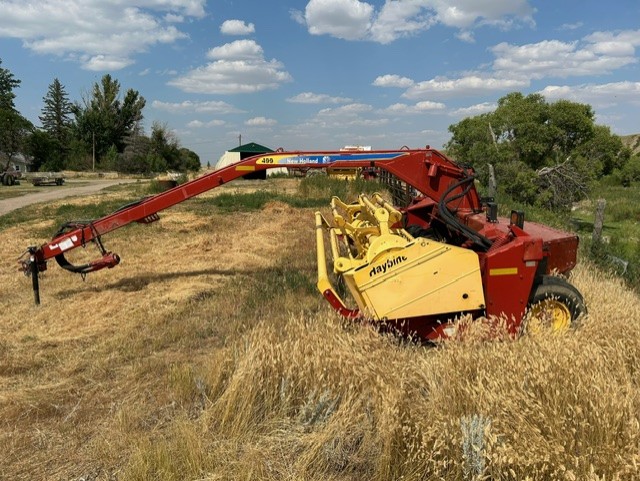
322,74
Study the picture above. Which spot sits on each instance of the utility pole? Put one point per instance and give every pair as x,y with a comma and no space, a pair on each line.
239,140
93,155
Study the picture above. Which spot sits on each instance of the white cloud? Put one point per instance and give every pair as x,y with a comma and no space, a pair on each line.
100,35
598,95
101,63
358,20
346,19
470,85
465,13
237,50
313,98
188,107
571,26
400,19
419,108
346,110
261,122
474,110
368,122
198,124
516,65
240,68
172,18
596,54
393,81
237,27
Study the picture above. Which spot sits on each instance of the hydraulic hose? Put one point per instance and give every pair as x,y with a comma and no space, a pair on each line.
450,219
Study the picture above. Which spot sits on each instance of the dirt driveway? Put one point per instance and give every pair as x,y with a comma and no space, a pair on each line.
53,192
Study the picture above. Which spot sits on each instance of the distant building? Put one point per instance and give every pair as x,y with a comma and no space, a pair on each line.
242,152
19,162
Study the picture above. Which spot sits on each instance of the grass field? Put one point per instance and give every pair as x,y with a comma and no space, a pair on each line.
207,354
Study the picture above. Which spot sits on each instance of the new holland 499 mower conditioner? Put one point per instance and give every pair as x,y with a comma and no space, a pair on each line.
417,267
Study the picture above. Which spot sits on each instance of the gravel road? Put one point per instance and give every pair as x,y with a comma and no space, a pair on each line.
54,192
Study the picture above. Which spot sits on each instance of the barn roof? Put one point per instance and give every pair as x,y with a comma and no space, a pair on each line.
251,147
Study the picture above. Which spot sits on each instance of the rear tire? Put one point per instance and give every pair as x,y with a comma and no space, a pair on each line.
555,305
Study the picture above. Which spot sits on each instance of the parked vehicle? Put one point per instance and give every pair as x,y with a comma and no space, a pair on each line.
10,176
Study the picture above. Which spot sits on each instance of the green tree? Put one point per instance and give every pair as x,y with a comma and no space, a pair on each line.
39,147
165,152
542,152
190,161
521,124
104,120
14,128
604,151
7,84
56,122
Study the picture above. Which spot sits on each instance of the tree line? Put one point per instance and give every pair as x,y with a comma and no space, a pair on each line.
102,131
543,153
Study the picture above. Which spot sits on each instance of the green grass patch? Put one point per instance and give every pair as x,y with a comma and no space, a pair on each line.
62,213
323,187
313,192
619,250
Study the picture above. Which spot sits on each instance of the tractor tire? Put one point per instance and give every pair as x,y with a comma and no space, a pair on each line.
555,304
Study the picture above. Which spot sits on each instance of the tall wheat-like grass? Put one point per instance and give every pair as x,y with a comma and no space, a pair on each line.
221,362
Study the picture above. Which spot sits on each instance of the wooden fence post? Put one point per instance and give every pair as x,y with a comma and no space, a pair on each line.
493,185
598,221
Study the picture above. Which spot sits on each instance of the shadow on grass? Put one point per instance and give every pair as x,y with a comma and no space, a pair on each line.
587,226
137,283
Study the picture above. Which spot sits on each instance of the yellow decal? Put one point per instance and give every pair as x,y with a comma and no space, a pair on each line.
505,271
270,159
242,168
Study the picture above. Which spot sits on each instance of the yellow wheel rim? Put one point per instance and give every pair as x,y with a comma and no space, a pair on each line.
553,314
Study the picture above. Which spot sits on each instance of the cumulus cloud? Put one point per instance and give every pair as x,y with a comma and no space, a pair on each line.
189,107
515,66
237,27
470,85
597,54
346,110
346,19
473,110
239,67
393,81
198,124
261,122
359,20
100,35
598,95
237,50
419,108
313,98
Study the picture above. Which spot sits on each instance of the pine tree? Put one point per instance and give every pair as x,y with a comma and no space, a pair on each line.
14,128
7,83
104,120
56,121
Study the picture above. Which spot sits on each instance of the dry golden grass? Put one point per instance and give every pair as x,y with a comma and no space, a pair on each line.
207,355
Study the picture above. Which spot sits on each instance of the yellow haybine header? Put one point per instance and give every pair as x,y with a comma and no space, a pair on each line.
389,273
